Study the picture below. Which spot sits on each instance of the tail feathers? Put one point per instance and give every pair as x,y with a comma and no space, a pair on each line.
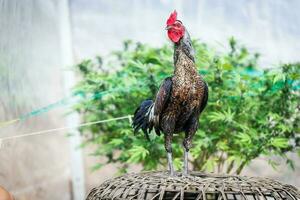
142,118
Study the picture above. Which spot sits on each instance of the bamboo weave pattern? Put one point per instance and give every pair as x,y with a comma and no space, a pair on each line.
196,186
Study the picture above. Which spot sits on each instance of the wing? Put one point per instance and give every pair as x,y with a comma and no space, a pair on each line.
162,96
204,98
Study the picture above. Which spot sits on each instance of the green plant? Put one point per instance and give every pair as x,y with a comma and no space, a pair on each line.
251,111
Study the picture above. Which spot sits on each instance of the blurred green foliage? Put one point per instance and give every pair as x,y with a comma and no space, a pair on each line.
251,111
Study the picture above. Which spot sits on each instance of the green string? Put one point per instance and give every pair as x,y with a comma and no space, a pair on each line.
66,101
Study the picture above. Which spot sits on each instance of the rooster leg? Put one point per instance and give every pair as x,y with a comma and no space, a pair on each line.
170,163
168,146
187,142
185,162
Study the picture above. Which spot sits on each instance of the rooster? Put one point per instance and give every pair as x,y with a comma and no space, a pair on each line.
180,99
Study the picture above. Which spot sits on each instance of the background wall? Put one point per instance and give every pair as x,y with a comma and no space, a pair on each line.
270,27
31,77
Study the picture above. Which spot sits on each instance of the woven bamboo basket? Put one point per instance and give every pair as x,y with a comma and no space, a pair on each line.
196,186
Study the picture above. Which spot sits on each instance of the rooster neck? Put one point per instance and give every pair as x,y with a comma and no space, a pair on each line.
185,67
184,59
184,46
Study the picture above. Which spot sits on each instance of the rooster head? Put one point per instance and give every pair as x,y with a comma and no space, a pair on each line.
175,28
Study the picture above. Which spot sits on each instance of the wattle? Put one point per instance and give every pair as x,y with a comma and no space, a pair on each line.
174,36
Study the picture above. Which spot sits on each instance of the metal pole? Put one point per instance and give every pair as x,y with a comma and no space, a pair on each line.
77,167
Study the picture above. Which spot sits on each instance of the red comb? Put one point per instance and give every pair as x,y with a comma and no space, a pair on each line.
172,18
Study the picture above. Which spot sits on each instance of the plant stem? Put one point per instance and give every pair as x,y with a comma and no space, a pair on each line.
230,167
240,168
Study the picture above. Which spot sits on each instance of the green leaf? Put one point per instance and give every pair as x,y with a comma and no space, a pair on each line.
177,163
291,164
97,166
280,142
225,116
244,138
137,154
210,165
279,77
227,66
116,142
273,164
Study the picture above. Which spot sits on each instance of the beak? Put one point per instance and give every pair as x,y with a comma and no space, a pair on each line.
168,27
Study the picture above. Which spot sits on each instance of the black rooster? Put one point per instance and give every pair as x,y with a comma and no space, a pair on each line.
180,99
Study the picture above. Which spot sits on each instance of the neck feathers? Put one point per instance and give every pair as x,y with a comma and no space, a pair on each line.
184,45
